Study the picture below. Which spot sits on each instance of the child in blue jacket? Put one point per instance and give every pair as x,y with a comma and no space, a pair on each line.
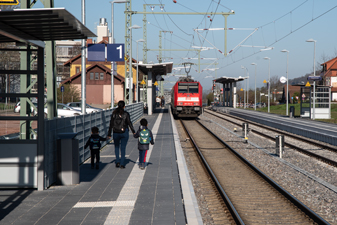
145,138
95,146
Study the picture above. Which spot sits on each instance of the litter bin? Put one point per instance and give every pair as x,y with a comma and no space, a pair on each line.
292,112
68,170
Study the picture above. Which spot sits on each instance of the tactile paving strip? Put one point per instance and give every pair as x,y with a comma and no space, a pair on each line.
104,204
121,215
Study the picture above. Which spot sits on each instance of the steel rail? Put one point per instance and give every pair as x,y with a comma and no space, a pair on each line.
221,191
315,217
308,153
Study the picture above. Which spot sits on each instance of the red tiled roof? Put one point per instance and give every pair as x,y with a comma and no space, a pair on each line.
108,70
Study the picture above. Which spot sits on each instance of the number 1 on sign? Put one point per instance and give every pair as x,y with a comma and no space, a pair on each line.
120,48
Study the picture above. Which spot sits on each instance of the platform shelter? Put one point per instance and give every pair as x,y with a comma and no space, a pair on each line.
322,109
229,89
154,72
22,161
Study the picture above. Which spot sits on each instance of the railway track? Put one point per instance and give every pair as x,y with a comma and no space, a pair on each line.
250,196
292,146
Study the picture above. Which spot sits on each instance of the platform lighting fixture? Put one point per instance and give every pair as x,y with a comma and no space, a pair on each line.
254,64
245,92
267,58
285,50
130,65
112,41
313,111
140,40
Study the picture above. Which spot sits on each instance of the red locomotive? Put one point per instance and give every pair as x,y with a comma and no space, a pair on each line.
186,98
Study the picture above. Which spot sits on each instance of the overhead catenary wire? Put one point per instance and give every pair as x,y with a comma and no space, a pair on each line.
283,37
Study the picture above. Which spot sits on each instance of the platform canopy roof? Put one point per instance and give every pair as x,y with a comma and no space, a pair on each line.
156,68
225,80
35,26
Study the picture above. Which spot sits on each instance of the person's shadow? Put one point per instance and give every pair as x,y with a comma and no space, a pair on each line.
127,161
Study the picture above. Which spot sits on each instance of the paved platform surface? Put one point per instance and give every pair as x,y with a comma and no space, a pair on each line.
112,195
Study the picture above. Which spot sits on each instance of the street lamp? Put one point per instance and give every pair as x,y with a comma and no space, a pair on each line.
130,65
255,85
140,40
313,111
247,89
112,41
284,50
268,84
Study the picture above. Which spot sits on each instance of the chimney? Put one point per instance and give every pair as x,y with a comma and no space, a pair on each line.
106,39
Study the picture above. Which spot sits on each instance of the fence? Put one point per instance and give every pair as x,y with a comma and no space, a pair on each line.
82,126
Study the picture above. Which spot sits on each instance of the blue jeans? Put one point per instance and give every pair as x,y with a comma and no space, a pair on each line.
120,139
142,156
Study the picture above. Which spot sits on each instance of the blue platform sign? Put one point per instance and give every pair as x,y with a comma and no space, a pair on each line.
62,88
314,78
115,52
96,52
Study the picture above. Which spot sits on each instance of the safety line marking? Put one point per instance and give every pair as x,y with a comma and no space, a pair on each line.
130,190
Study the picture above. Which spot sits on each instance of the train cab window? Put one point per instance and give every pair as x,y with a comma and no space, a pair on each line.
182,88
193,89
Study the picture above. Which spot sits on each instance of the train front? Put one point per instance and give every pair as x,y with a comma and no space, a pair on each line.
188,99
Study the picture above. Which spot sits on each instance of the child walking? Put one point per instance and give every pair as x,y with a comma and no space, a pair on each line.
95,146
145,138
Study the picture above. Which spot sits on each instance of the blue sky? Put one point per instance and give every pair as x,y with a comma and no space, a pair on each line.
285,24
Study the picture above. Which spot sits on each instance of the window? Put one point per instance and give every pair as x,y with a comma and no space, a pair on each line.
188,88
77,69
102,76
91,76
96,76
182,88
193,89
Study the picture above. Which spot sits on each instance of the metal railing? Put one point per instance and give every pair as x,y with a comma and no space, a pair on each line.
82,126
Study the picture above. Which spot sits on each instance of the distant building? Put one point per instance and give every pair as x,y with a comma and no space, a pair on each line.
329,72
292,90
65,50
102,30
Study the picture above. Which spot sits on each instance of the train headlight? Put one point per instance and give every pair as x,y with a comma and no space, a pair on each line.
180,103
179,108
196,108
195,103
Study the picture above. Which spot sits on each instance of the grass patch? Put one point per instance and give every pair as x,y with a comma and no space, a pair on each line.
3,106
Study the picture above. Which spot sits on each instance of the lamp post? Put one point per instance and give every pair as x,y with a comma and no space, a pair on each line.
246,91
268,83
255,86
140,40
112,41
83,63
313,111
287,110
130,65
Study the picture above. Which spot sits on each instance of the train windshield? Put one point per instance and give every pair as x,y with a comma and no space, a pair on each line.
188,88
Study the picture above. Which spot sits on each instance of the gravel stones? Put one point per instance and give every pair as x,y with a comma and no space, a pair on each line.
261,153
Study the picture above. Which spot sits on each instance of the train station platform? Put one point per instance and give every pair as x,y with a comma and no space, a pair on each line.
160,194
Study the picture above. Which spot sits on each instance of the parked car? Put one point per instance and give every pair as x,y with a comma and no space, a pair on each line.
64,111
88,109
17,108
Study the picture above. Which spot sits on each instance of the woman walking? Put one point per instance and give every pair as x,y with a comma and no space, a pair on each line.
120,123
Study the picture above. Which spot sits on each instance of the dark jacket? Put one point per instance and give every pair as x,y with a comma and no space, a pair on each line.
143,146
90,140
127,122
